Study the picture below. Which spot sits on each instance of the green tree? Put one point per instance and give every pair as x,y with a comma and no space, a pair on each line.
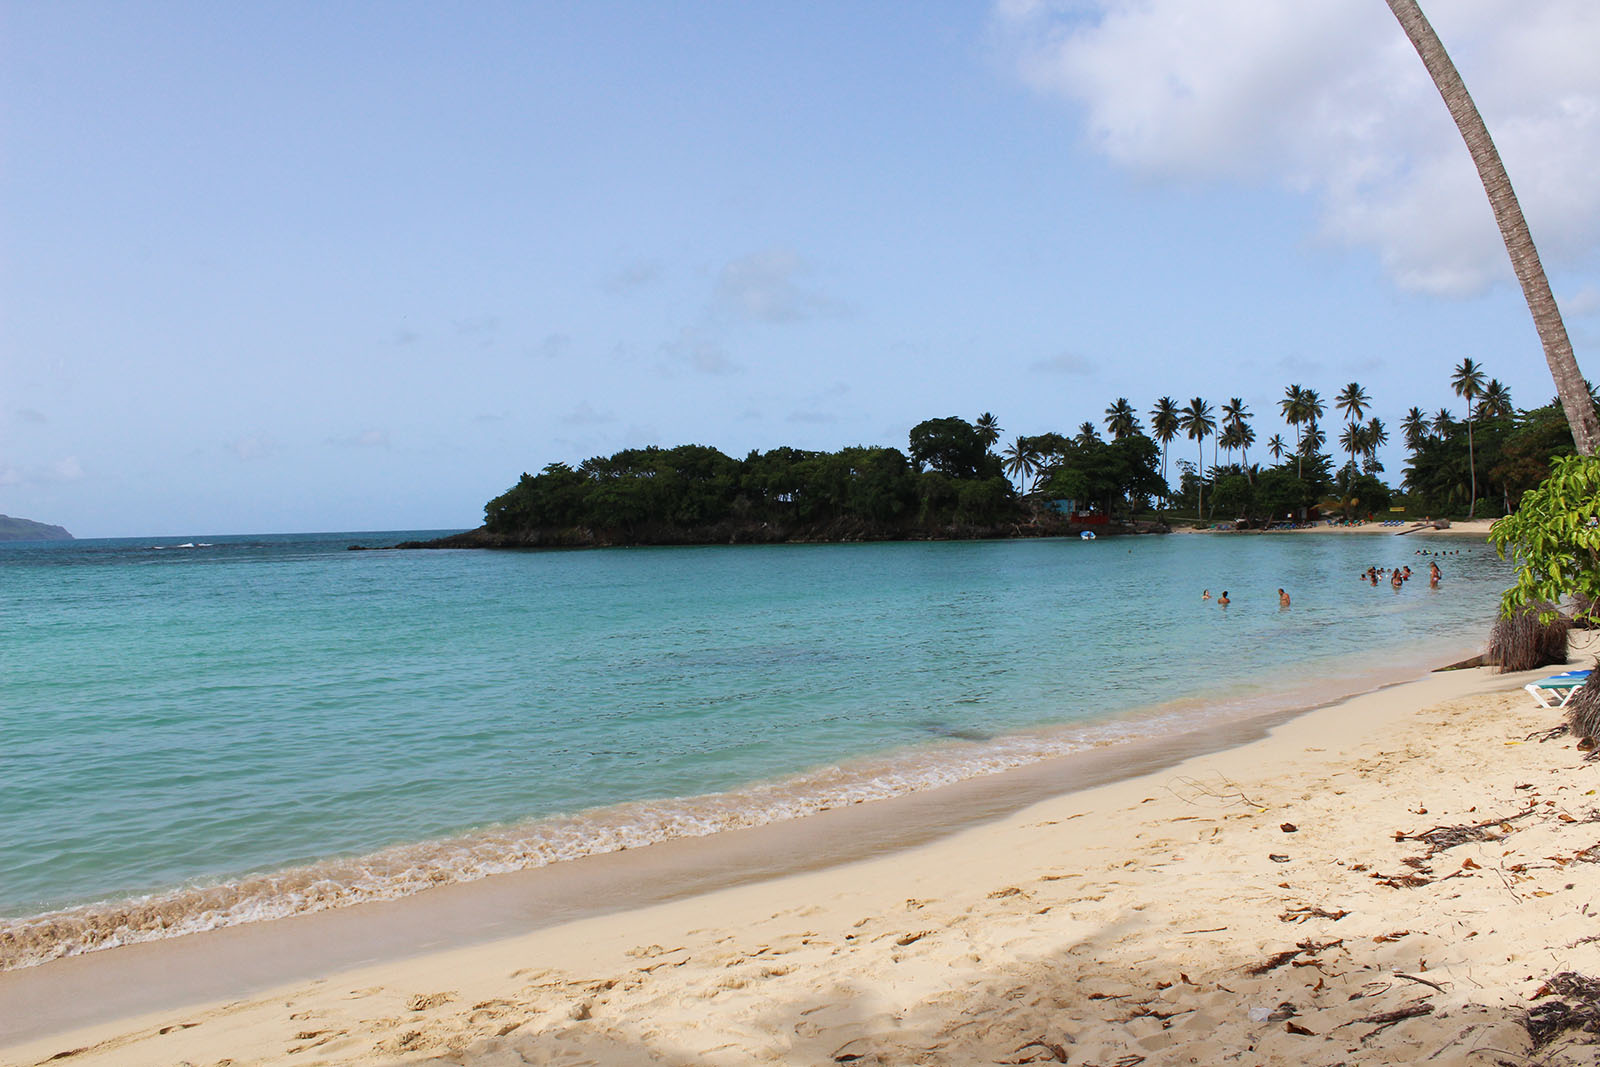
1467,381
1121,420
1554,539
953,447
1164,424
1196,421
988,428
1021,461
1415,427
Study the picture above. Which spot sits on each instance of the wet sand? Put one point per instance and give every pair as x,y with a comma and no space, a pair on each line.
1253,900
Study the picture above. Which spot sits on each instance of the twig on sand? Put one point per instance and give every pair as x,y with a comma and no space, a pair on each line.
1422,981
1225,790
1055,1051
1386,1019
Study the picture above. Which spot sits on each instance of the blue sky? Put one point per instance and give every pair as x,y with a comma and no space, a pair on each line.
310,267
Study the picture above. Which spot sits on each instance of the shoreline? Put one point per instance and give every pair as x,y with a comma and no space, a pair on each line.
965,782
949,862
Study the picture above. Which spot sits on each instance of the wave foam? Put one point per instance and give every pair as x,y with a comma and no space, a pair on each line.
402,870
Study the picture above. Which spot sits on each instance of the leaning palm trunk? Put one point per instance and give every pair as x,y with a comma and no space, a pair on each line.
1574,395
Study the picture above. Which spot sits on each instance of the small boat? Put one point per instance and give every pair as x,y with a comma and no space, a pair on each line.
1087,535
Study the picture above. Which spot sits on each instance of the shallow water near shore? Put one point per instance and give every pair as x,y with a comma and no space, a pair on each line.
204,731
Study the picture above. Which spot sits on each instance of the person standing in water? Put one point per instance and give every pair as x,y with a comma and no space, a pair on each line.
1222,601
1283,598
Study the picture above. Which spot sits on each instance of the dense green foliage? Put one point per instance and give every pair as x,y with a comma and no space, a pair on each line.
1554,538
694,487
1510,450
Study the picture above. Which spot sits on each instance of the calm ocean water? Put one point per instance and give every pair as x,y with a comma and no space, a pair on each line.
208,731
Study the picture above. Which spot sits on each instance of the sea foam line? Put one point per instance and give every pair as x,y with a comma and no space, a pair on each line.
402,870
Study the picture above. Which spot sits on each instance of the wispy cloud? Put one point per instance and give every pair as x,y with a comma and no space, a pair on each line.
551,346
774,286
585,415
67,469
632,277
252,447
1328,97
371,438
1586,301
699,351
1065,363
31,415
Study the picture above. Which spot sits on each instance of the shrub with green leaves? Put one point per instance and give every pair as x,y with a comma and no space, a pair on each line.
1554,539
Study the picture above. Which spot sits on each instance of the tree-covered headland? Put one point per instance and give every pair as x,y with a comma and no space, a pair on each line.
947,483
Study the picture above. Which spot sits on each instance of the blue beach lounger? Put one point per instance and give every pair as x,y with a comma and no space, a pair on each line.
1556,690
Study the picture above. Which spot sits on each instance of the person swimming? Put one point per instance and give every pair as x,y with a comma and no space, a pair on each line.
1396,580
1205,594
1222,601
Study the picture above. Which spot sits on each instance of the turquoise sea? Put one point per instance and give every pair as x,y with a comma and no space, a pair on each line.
211,730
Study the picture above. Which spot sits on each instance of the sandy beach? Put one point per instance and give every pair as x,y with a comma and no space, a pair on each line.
1400,877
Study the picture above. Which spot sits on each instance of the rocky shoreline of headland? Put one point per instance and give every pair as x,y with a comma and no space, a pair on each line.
850,531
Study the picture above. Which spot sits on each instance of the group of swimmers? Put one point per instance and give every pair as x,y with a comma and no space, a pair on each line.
1223,601
1399,576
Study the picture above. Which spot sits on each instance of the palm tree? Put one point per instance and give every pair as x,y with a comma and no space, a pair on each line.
1235,423
1164,424
1443,422
1353,401
1121,420
988,429
1467,381
1196,421
1415,425
1293,406
1513,226
1275,446
1313,440
1377,437
1247,437
1021,460
1496,401
1351,441
1087,434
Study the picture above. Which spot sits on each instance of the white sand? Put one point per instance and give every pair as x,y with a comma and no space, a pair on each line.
1250,906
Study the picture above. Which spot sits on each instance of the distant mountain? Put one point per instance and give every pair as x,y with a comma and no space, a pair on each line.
28,530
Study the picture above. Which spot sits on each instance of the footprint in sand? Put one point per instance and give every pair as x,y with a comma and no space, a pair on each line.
424,1001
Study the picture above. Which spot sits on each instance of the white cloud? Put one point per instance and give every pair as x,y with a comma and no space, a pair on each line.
1586,301
699,351
1064,363
254,446
772,286
585,415
1327,96
551,346
67,469
364,439
632,277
